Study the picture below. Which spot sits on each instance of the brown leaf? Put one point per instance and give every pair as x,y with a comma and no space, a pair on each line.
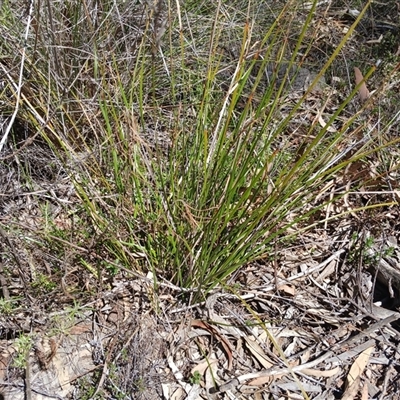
78,329
288,289
4,361
262,380
364,392
179,394
363,92
330,128
321,373
352,390
359,365
258,353
224,342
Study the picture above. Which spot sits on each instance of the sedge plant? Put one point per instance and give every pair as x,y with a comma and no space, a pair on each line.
179,171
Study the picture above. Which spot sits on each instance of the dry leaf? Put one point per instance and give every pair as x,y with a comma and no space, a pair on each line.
329,270
258,353
211,374
288,289
178,375
316,372
179,394
4,361
224,342
362,90
358,366
262,380
257,396
364,392
202,366
351,390
78,329
330,128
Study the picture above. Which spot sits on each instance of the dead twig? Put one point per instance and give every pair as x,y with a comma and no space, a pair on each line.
28,388
18,86
328,355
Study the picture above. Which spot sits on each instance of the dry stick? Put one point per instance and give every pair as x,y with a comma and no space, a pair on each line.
273,371
28,387
3,284
19,87
387,274
384,395
277,371
377,325
329,354
105,370
3,281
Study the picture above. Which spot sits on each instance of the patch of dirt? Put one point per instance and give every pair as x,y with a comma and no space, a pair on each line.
108,347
